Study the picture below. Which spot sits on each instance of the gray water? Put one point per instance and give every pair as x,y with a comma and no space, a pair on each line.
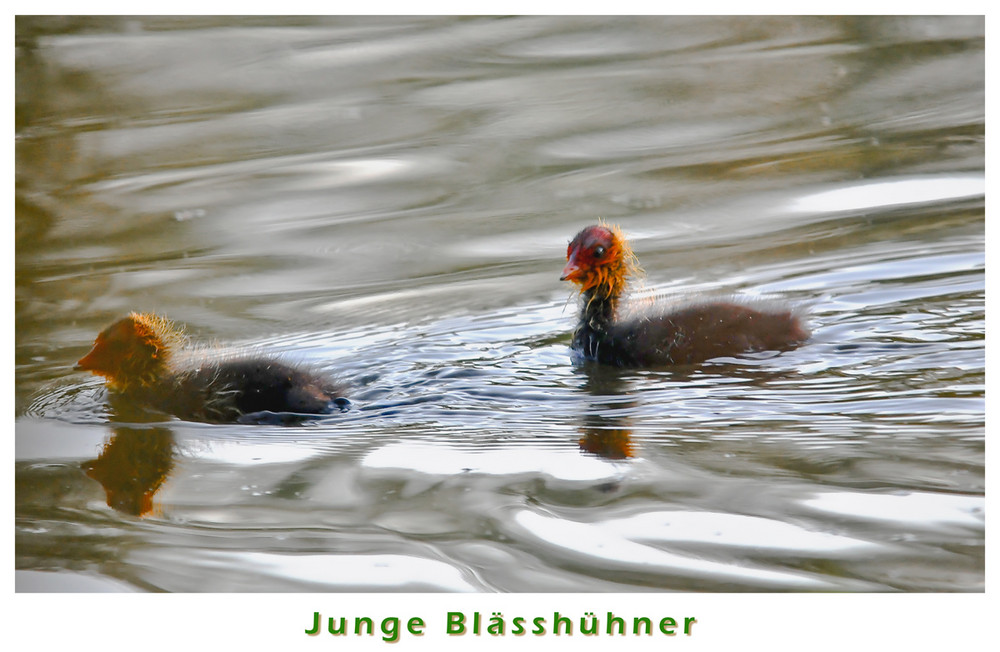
390,199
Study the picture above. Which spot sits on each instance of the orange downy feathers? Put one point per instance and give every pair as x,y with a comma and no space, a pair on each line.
135,350
599,258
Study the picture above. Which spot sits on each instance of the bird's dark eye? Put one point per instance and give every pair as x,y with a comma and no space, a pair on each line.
598,251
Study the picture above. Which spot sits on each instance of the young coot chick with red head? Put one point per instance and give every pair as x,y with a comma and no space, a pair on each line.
138,357
600,261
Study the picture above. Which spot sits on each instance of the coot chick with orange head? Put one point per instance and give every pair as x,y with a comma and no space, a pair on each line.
139,357
600,261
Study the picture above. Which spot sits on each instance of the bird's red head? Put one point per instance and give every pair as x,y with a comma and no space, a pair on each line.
132,351
599,258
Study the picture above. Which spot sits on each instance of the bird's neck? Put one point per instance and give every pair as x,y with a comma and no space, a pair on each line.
141,372
600,307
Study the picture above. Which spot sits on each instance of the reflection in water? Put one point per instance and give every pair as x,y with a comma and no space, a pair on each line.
617,398
132,467
135,461
606,433
613,444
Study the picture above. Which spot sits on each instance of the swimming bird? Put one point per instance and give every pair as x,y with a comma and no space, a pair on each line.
144,357
600,261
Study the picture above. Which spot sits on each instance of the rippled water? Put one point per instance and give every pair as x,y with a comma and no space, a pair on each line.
390,199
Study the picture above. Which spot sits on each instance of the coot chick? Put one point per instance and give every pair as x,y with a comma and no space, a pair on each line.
600,261
139,358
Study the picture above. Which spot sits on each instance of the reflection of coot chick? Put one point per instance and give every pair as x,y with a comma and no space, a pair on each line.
600,261
137,356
